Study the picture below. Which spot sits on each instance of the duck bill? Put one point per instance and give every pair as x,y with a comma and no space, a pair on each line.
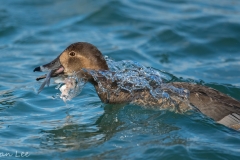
55,64
55,67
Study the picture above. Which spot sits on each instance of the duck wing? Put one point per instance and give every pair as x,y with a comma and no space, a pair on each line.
219,106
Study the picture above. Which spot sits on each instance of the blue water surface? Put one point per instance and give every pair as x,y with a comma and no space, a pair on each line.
192,41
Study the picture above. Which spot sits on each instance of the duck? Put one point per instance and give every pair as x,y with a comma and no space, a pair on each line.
82,57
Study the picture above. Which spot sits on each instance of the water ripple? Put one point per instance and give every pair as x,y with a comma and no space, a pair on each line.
191,41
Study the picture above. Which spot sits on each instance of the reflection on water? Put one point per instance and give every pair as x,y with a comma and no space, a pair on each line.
116,119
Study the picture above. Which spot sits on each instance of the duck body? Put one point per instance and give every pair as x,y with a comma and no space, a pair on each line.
214,104
81,57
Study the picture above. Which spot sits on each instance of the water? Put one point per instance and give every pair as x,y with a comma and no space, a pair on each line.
131,76
191,41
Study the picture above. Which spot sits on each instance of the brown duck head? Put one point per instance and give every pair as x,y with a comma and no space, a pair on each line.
74,58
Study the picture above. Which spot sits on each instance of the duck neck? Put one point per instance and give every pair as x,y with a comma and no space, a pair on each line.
106,89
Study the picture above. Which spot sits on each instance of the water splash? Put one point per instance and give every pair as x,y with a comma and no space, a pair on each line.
72,87
129,76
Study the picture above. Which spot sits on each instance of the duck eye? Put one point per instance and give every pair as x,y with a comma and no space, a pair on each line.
72,54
